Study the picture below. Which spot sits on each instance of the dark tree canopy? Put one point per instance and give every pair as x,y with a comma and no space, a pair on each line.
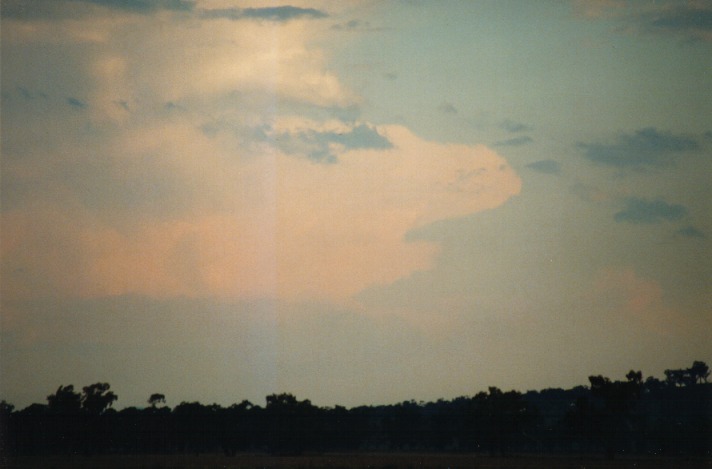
156,399
671,417
96,398
65,400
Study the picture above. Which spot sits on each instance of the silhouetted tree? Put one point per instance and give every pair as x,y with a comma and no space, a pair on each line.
96,398
699,372
635,377
403,425
156,399
618,398
503,415
292,423
671,417
65,400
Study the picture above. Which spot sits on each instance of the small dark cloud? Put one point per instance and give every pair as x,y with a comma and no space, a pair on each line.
649,211
146,6
76,103
645,148
29,94
447,108
279,14
24,92
361,136
283,13
514,142
356,25
171,106
691,21
122,104
352,25
390,75
690,232
708,134
546,166
61,9
512,126
683,18
316,145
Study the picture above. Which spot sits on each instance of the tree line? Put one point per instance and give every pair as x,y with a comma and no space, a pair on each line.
632,416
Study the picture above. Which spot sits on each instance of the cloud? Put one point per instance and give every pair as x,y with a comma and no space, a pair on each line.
132,196
27,10
447,108
512,126
546,166
278,14
76,103
514,142
691,20
323,145
647,147
77,9
262,60
649,211
146,6
635,298
259,225
356,26
690,232
351,25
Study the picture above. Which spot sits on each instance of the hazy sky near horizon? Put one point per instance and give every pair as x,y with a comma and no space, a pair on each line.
355,202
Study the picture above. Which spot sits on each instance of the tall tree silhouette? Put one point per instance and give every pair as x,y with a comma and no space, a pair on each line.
64,400
96,398
699,372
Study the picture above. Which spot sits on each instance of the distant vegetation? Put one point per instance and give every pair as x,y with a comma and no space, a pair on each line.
670,417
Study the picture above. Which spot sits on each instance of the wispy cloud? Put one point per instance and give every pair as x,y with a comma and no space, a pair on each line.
356,26
146,6
690,20
279,14
76,103
639,210
546,166
690,232
693,21
513,126
514,142
447,108
60,9
645,148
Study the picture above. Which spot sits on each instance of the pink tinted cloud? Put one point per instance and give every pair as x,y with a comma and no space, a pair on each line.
638,298
285,227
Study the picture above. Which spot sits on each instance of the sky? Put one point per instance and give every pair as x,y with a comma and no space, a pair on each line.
354,202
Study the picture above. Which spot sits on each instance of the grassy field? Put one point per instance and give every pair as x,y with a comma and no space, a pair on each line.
349,461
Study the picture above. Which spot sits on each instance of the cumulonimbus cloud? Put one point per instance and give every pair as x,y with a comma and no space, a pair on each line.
285,227
136,197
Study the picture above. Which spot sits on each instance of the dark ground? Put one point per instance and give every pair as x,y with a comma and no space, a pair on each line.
348,461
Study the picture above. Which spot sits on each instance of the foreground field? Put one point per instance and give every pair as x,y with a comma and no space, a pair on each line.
349,461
